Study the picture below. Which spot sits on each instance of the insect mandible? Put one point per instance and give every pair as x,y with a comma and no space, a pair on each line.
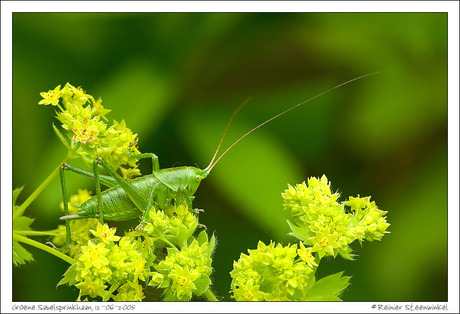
130,199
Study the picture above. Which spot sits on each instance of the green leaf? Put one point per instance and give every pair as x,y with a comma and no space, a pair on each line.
15,194
170,295
202,285
183,234
69,276
302,234
202,237
328,288
22,223
20,254
172,251
212,244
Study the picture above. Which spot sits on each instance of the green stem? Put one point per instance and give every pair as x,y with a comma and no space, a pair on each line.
210,296
43,247
36,233
317,261
37,192
169,243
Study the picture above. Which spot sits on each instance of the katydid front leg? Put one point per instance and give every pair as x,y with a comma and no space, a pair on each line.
155,161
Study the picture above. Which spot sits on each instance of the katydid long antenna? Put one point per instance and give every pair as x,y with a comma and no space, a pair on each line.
225,131
213,163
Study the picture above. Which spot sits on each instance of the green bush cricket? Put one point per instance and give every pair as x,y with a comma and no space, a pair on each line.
130,199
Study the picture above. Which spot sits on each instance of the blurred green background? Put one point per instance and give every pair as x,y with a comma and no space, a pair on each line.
176,79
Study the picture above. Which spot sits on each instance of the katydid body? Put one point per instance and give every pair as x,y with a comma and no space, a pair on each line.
178,184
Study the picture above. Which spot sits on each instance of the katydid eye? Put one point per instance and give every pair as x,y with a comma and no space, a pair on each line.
198,177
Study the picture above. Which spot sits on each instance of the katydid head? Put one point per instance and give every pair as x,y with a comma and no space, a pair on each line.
200,174
195,175
211,165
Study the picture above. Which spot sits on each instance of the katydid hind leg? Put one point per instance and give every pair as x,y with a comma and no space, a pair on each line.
105,180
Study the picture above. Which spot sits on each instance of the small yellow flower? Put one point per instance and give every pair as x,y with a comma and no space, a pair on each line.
130,291
79,95
138,266
249,292
130,172
74,109
94,255
183,279
51,97
105,234
158,280
98,109
325,243
87,131
305,255
66,119
91,288
66,93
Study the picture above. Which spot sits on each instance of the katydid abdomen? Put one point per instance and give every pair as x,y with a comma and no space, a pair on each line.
115,203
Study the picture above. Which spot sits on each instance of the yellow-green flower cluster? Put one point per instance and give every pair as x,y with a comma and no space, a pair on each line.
273,273
109,270
318,219
109,267
185,272
83,119
174,225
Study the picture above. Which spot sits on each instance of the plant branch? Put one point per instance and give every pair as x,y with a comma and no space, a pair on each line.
36,233
43,247
210,296
37,192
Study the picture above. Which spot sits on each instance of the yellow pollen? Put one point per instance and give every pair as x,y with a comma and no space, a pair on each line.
182,281
248,295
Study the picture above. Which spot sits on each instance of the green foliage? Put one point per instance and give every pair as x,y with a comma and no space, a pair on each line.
20,254
327,288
